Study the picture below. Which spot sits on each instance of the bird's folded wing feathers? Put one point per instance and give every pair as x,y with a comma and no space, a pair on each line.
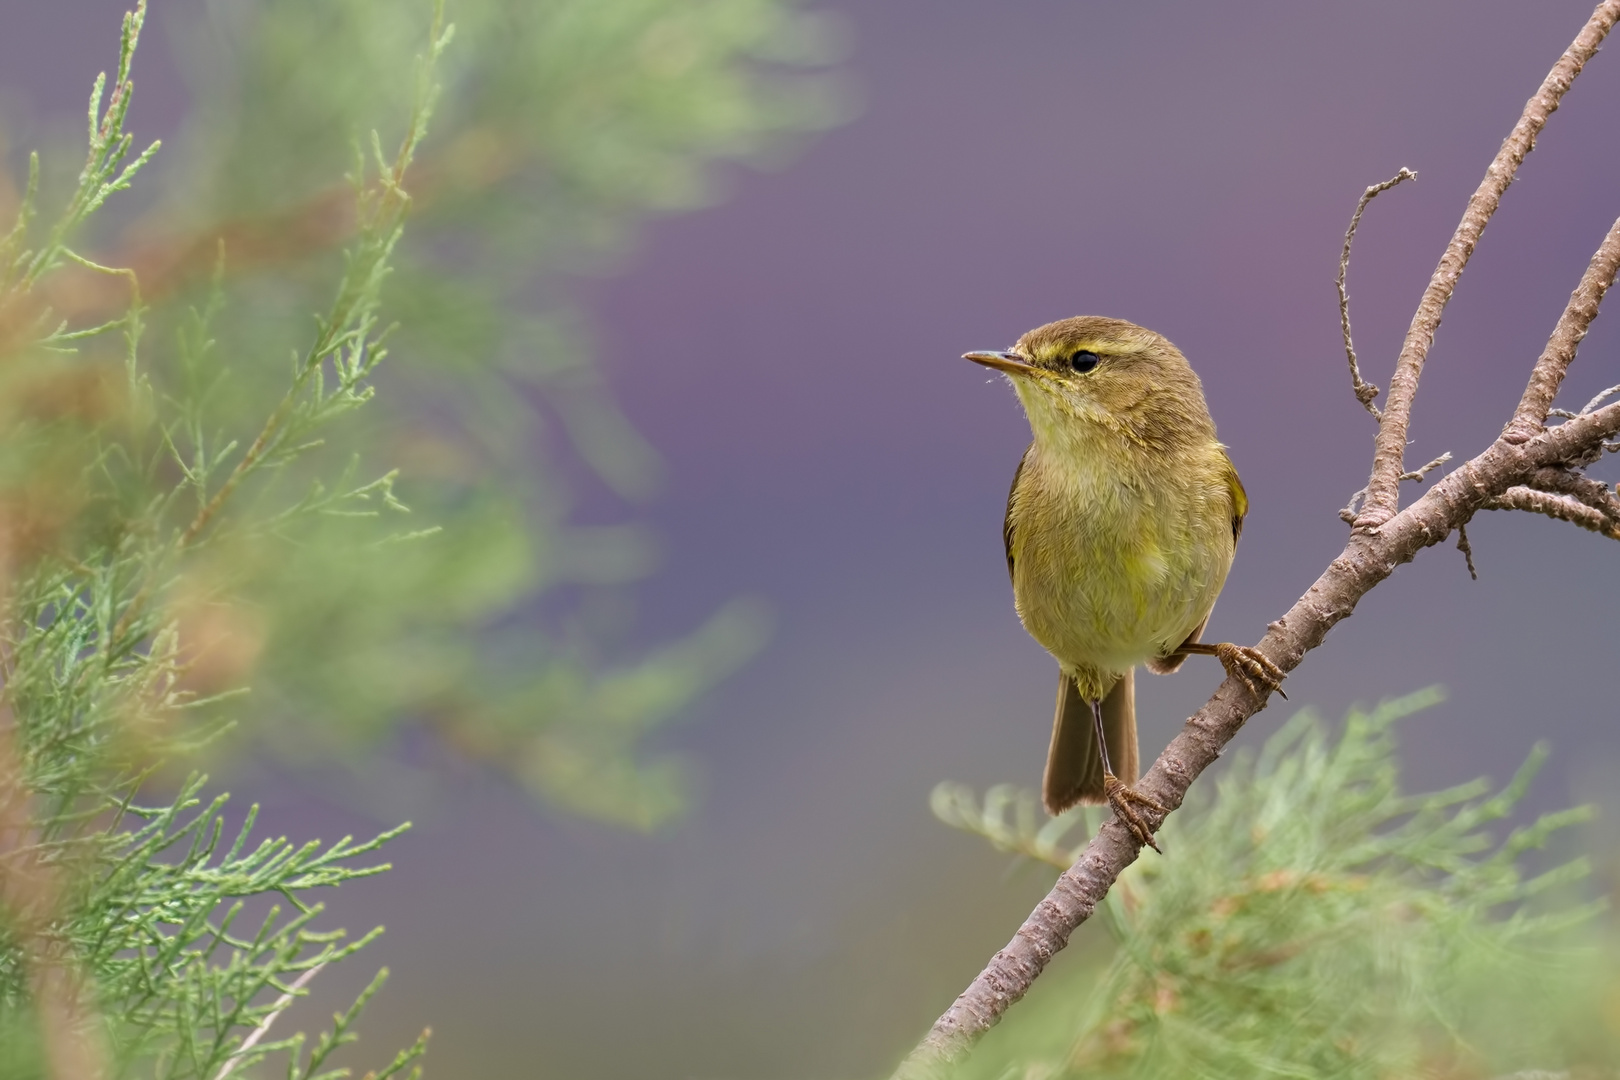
1240,498
1007,521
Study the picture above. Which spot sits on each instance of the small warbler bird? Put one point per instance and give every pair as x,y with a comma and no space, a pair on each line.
1121,525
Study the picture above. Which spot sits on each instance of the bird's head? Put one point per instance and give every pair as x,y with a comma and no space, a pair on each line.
1077,375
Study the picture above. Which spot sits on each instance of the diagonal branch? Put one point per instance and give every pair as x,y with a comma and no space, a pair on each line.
1389,446
1367,559
1385,537
1578,439
1365,391
1593,494
1561,507
1566,338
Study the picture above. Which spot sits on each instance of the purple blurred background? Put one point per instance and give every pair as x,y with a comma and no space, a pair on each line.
793,354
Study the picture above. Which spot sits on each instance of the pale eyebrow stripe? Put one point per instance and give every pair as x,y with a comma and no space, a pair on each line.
1111,347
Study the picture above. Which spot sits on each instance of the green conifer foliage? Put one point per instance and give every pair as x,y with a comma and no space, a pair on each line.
1311,920
501,628
140,934
201,486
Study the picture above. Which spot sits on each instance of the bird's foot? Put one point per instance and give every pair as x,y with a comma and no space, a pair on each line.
1246,664
1124,800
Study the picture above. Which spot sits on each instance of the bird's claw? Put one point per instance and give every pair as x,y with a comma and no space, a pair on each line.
1121,797
1251,668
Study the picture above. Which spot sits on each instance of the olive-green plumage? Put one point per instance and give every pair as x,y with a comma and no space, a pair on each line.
1121,525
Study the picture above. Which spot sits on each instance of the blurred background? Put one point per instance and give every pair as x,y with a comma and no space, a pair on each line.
730,513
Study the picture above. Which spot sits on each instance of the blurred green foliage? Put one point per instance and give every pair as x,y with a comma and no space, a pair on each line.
1310,920
201,485
143,936
561,126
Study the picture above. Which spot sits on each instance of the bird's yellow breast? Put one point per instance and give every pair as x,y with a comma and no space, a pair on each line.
1117,556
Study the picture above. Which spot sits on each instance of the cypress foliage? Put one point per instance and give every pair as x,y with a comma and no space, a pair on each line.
199,485
1310,919
137,930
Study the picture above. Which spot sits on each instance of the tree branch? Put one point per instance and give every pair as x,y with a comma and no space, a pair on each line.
1593,494
1367,559
1502,476
1556,506
1566,338
1365,391
1579,439
1389,446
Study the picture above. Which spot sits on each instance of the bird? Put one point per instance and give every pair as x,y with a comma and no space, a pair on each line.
1121,525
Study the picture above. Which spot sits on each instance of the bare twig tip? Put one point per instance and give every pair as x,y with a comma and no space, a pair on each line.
1348,514
1419,474
1384,537
1365,391
1467,549
1600,399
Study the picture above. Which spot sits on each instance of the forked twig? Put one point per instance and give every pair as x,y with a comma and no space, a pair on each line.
1389,445
1385,537
1348,514
1603,395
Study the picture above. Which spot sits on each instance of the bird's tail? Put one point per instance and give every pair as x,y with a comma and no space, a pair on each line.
1074,768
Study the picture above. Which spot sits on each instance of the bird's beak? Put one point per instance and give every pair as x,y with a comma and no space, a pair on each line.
1009,362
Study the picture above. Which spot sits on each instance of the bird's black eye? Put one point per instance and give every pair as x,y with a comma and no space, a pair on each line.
1084,361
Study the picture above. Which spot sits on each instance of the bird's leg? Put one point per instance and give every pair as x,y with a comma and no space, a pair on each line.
1120,795
1243,663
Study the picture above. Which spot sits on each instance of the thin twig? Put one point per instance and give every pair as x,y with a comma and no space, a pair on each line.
1467,549
1600,399
1368,558
1425,470
1348,514
1365,391
1389,445
1384,539
263,1029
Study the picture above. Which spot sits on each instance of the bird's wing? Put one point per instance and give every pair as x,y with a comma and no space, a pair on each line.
1007,521
1164,665
1240,498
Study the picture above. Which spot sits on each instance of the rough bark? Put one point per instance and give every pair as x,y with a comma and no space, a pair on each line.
1557,507
1548,374
1367,559
1529,467
1389,446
